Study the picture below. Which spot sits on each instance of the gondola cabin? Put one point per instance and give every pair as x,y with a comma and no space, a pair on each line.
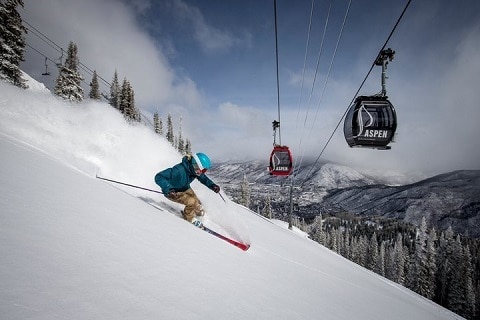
370,123
281,161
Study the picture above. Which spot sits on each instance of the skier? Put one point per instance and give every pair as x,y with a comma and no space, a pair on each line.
175,184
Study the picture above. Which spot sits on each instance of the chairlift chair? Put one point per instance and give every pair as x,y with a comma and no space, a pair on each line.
46,73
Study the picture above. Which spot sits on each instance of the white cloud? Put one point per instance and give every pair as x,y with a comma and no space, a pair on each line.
432,86
208,37
108,38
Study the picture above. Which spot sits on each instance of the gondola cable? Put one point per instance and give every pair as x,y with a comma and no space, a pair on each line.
356,93
277,125
280,162
315,76
305,59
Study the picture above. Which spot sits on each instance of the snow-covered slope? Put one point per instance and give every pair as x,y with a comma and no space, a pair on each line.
75,247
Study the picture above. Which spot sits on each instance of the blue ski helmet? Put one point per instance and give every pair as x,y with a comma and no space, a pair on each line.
201,160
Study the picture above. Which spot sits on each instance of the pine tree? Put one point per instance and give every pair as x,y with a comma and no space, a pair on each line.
399,261
267,209
127,102
380,266
456,290
181,142
124,98
469,309
188,147
372,255
421,285
12,43
245,192
115,90
157,124
94,87
169,135
444,261
431,264
67,84
131,112
346,244
316,228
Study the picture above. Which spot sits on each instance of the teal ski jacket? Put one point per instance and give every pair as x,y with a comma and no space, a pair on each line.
179,177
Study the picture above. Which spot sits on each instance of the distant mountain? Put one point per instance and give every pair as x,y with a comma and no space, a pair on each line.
450,199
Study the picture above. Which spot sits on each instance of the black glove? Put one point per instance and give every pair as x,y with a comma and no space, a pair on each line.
216,188
172,195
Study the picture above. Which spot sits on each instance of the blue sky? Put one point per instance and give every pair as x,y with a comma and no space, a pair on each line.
212,64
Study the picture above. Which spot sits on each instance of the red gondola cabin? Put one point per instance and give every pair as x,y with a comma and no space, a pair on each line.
281,161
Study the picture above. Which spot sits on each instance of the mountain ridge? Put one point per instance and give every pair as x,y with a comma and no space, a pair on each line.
447,199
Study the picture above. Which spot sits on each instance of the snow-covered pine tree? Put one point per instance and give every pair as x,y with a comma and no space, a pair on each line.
245,192
188,147
12,43
267,209
444,261
456,290
157,124
133,113
469,308
346,244
372,252
181,142
380,265
431,263
115,90
421,285
317,232
399,261
67,84
169,135
94,87
127,102
124,98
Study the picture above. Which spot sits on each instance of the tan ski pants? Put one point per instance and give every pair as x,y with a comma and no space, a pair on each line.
193,206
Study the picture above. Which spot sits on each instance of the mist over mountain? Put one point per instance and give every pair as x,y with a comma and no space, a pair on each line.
449,199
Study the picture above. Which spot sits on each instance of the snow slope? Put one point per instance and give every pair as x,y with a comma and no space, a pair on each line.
75,247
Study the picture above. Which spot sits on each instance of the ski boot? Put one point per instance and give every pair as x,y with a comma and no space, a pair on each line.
197,223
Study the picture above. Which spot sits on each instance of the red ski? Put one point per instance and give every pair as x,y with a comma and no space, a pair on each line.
237,244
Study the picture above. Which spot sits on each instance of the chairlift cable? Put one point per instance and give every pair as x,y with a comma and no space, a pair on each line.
58,48
361,85
48,40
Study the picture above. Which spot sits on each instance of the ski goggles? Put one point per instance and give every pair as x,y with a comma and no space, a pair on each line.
197,165
198,171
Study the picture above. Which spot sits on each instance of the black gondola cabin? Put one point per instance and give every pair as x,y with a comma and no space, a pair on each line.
370,122
281,162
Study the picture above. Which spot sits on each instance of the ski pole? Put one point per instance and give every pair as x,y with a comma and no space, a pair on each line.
129,185
222,197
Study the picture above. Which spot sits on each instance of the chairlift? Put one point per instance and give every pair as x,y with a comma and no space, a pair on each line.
46,73
59,61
